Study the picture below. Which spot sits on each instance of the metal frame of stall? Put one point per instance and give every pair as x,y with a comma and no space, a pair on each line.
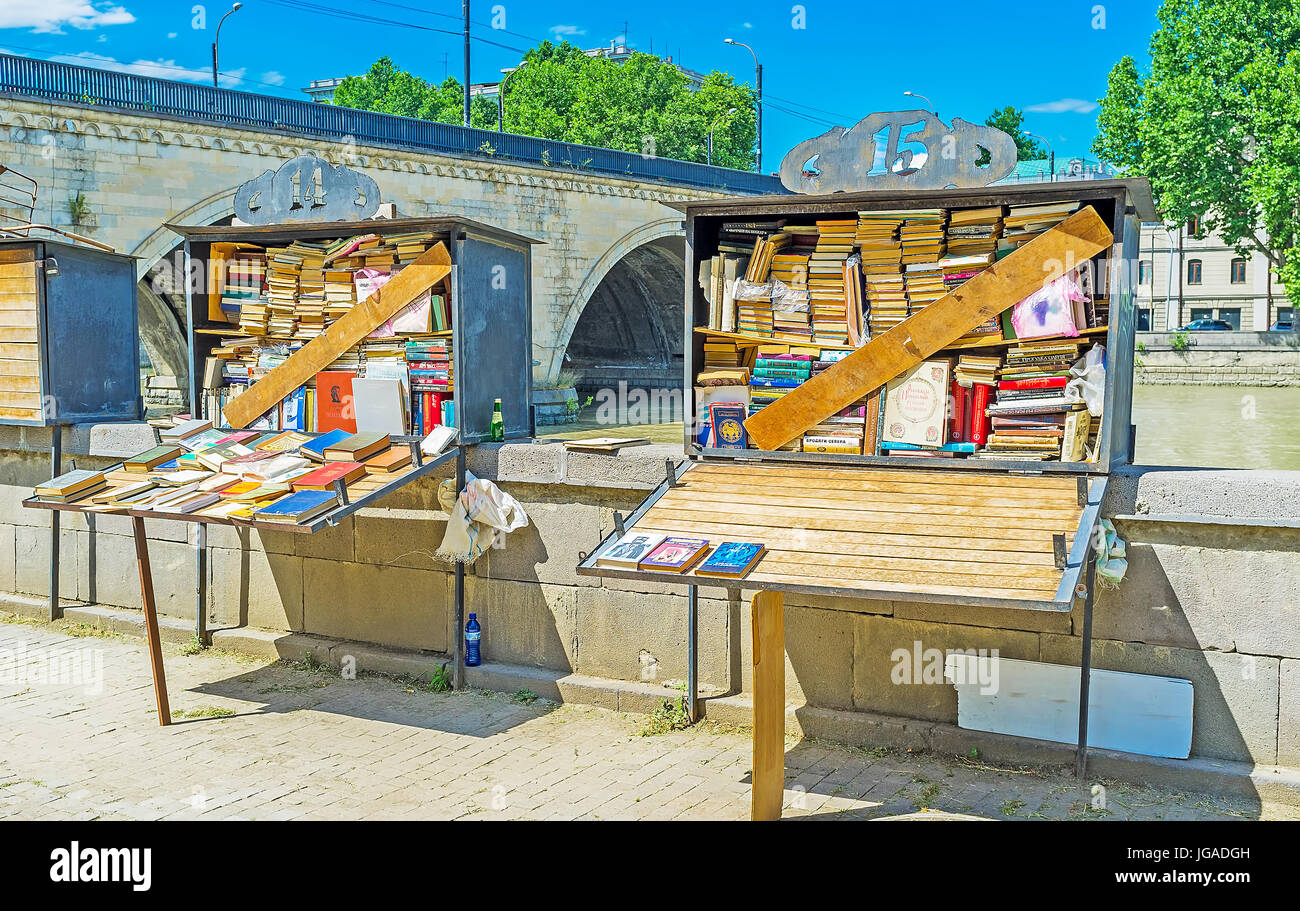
1077,564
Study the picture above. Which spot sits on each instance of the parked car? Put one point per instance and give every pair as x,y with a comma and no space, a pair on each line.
1282,326
1207,325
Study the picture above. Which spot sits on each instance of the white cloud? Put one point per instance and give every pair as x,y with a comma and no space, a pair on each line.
171,34
271,77
1063,106
49,16
566,31
159,69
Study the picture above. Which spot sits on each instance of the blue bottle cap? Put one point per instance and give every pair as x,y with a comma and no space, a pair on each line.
473,616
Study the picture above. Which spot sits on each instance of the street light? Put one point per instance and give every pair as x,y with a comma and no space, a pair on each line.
217,37
758,104
1051,164
713,127
501,97
926,100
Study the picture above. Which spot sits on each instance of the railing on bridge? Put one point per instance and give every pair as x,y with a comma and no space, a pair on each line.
125,91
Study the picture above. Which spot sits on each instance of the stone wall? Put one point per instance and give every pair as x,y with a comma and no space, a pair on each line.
1212,596
1219,359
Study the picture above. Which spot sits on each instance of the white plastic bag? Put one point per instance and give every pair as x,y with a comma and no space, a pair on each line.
481,515
1088,380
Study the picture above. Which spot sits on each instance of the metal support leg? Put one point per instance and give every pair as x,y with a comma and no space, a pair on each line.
151,620
201,562
458,671
693,653
1085,669
56,469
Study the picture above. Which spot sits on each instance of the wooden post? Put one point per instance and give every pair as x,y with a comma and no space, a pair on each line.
768,624
151,620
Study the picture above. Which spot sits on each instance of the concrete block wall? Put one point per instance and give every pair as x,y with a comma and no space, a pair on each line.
1212,594
1219,359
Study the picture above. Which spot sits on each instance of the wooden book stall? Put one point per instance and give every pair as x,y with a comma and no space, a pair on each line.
434,313
799,438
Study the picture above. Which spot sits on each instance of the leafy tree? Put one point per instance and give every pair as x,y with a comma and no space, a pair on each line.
1215,124
1011,121
641,104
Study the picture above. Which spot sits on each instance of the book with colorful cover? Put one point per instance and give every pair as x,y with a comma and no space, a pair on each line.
916,405
334,408
628,551
298,507
728,422
675,555
315,448
732,559
323,478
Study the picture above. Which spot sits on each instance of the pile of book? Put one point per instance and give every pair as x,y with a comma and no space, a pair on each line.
244,281
655,552
429,366
286,477
1024,223
826,289
1032,415
723,363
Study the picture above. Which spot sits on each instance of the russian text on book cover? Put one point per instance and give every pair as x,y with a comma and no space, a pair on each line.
899,150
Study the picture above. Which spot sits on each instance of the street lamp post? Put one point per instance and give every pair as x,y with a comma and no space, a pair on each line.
928,102
1051,153
713,127
501,97
217,37
758,104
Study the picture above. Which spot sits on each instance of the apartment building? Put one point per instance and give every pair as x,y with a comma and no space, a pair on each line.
1182,278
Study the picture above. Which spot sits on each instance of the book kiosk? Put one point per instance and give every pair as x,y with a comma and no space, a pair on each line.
468,287
1006,521
69,343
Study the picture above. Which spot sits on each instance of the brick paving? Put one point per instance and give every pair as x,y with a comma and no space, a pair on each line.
254,740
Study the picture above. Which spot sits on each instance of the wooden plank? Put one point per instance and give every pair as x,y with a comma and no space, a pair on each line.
20,414
809,566
151,621
20,383
1076,240
935,562
912,495
18,319
767,788
18,284
18,302
1137,713
759,578
10,334
824,476
27,400
936,503
17,255
19,351
932,517
421,275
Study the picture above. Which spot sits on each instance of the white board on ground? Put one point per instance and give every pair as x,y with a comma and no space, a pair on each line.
1136,713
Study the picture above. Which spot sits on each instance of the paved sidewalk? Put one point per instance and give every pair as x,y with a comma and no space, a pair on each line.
259,741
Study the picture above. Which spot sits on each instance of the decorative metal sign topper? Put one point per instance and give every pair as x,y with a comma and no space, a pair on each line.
899,150
307,188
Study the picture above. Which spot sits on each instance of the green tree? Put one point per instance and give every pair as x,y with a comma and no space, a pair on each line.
389,90
1010,120
1215,124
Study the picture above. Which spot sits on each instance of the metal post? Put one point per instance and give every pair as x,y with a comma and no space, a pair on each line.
758,126
1085,668
466,7
56,469
693,653
201,566
458,672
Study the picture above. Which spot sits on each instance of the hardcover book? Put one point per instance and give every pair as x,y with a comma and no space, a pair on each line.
358,447
298,507
732,559
315,449
323,478
675,555
916,405
151,459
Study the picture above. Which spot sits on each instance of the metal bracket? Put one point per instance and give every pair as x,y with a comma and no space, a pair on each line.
417,458
618,524
1083,491
1132,441
672,472
1058,551
341,490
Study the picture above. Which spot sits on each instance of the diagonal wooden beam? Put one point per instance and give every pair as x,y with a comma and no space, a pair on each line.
1074,241
421,275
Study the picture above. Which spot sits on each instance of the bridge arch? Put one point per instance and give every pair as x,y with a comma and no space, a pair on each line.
635,287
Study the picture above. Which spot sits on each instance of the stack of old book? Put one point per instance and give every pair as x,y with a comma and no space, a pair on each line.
835,242
922,236
723,363
1023,223
244,280
283,267
1032,413
972,232
882,269
340,293
841,433
741,235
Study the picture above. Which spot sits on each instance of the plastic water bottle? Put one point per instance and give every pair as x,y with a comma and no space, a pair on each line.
473,635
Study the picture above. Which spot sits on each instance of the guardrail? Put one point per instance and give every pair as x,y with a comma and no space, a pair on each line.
92,87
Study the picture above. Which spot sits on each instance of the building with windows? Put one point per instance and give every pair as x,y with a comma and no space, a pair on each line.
1182,278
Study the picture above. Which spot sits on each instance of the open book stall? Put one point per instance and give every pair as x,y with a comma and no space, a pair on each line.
333,364
898,395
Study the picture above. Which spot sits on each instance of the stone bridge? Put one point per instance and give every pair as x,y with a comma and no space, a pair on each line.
607,283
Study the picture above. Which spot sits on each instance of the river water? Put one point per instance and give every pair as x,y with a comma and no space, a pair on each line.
1218,426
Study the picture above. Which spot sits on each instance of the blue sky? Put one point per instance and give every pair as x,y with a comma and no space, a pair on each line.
825,63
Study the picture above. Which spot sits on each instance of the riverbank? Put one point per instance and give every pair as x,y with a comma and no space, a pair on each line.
1217,359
